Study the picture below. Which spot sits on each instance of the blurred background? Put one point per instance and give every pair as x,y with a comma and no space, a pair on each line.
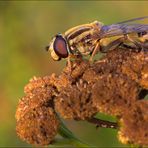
26,27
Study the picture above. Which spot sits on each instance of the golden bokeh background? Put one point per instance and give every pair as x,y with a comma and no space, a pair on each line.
26,27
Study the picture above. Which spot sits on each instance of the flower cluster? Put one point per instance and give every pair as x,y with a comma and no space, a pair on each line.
116,85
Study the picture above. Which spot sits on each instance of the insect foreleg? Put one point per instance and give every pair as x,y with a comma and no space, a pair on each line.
69,62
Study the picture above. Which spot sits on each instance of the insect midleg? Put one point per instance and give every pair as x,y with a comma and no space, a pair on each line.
96,49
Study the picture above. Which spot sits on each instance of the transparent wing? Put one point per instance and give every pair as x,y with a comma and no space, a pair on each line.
124,27
133,20
120,29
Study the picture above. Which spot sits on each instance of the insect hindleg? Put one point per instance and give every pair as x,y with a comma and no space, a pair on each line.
138,44
111,46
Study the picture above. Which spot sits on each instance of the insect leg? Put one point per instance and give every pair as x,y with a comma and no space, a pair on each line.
96,49
111,46
69,64
138,44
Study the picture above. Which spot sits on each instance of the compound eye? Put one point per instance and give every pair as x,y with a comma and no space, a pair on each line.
60,47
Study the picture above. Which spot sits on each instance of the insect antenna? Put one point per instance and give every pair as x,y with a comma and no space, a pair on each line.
47,48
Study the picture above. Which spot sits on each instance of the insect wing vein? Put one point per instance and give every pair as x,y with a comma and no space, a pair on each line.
121,29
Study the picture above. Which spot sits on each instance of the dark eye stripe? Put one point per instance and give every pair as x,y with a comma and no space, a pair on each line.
77,33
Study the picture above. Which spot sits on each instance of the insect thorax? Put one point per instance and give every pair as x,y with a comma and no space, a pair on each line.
82,39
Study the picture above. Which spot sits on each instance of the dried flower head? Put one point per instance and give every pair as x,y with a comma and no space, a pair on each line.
113,93
38,93
36,120
134,124
136,67
38,126
75,102
115,85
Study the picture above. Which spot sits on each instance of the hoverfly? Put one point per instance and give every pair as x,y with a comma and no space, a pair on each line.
88,39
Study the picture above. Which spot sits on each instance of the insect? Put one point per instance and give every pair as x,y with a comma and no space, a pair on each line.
88,39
